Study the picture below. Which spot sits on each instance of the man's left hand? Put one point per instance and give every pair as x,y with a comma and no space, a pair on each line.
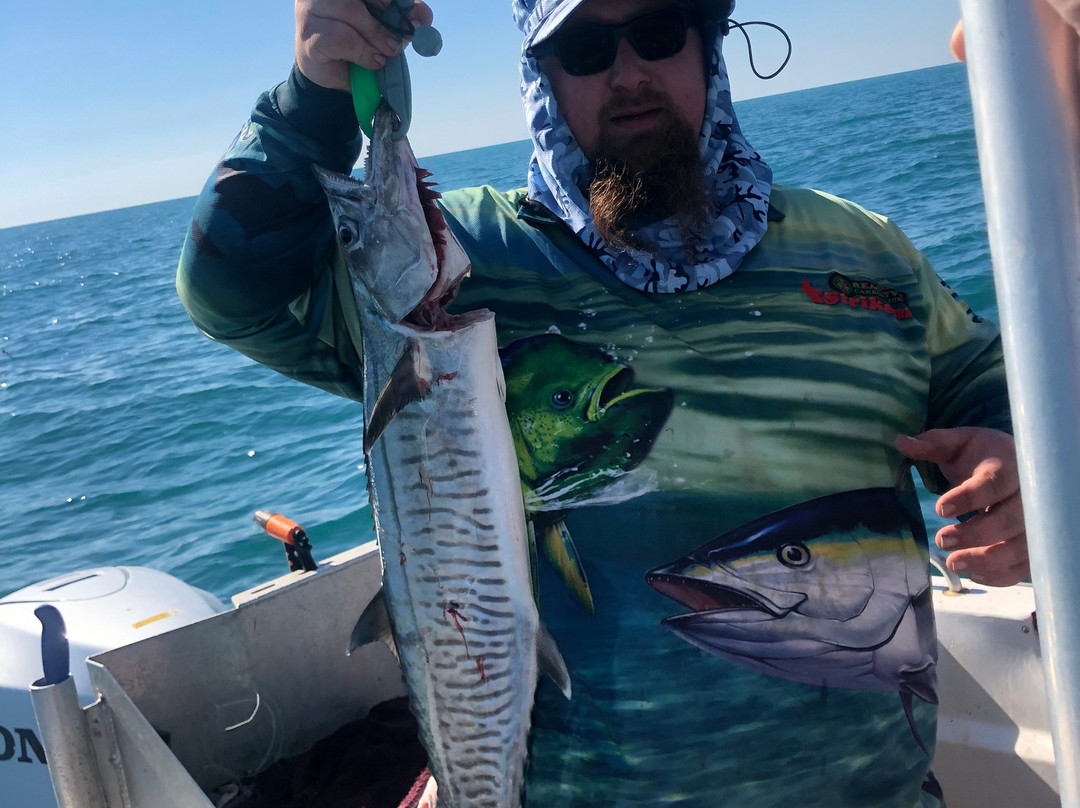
980,464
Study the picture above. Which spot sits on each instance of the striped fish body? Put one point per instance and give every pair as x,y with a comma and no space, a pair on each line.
451,526
457,602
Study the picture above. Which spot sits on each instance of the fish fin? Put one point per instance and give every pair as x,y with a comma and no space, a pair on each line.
533,563
407,384
373,626
905,699
559,549
932,787
920,681
551,661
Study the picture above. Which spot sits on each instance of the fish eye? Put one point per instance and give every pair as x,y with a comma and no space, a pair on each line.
346,232
563,399
793,555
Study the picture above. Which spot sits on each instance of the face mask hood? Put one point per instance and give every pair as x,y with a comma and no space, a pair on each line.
737,179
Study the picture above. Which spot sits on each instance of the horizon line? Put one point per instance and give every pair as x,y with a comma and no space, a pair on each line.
166,200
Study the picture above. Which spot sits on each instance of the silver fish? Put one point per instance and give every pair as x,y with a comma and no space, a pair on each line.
457,601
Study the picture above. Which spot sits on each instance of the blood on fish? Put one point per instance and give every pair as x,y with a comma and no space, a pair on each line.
480,667
453,609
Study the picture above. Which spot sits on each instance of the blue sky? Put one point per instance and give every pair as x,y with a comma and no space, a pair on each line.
104,105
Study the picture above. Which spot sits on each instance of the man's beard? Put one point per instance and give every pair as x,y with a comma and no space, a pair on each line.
646,178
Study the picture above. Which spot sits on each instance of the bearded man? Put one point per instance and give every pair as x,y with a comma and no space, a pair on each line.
757,628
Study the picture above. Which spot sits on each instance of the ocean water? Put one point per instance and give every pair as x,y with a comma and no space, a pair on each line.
128,438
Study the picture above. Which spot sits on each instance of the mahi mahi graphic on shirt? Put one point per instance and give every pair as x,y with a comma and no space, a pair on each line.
834,592
579,427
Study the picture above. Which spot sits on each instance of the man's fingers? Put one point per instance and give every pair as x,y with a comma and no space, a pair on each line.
1006,577
1001,522
1069,11
991,485
330,34
354,16
1002,564
329,44
935,445
943,447
971,456
956,44
421,14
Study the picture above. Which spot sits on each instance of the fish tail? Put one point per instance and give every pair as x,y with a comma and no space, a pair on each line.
905,699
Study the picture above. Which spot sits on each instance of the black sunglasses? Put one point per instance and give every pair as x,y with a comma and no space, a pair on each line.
591,49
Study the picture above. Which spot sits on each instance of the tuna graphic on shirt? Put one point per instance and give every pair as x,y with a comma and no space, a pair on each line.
834,592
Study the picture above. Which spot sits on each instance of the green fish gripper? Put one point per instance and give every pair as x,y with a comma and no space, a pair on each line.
366,95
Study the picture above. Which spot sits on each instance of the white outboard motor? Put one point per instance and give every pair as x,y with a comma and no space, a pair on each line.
103,609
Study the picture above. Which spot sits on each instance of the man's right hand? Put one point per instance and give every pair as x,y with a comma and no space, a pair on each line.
332,33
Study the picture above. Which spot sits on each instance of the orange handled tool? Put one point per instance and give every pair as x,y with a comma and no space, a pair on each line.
297,545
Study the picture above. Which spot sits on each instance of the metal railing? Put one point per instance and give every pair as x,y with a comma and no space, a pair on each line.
1022,62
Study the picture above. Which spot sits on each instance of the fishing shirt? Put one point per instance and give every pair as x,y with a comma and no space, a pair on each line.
757,566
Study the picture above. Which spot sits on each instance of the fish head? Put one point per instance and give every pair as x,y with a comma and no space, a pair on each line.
399,251
827,577
842,565
575,413
353,208
833,592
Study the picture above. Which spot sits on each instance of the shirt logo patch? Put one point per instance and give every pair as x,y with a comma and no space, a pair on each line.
843,291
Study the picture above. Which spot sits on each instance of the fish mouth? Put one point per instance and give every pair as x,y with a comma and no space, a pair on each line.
412,263
612,388
705,596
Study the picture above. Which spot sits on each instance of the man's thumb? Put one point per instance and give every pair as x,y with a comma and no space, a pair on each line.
932,445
